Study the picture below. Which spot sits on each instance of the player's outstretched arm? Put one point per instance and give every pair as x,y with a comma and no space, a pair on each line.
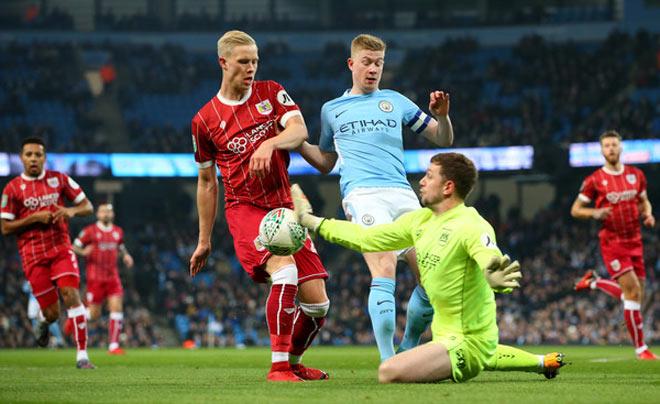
385,237
503,275
323,161
440,130
207,205
290,138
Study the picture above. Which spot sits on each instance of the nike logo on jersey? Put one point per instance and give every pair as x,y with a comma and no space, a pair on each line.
337,115
383,301
290,310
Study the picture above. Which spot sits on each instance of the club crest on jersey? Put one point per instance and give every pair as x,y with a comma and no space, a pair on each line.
23,187
604,183
53,182
264,107
115,235
368,220
386,106
631,178
616,265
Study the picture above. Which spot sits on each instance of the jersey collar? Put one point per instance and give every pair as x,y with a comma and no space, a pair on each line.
613,172
234,103
40,177
104,228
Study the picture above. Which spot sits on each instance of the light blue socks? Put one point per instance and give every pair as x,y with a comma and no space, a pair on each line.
382,311
418,317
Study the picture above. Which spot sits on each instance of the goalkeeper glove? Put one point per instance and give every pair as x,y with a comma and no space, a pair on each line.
303,209
502,274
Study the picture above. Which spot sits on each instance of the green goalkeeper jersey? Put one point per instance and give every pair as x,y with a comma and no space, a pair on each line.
451,250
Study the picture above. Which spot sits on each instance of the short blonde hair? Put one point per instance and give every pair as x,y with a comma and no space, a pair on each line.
609,133
231,39
368,42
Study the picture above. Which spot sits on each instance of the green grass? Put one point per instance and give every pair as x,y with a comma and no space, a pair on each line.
596,375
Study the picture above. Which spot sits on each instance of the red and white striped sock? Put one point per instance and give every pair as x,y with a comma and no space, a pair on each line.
79,318
635,324
608,286
280,309
114,329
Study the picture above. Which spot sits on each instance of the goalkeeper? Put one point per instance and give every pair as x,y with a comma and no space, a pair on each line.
460,266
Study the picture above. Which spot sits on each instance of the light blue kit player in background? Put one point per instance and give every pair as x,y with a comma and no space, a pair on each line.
362,131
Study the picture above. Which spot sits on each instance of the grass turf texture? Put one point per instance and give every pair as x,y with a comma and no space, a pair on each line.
597,374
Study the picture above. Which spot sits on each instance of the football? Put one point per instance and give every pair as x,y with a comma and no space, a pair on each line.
280,233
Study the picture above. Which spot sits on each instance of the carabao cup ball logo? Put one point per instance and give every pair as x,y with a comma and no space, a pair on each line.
280,233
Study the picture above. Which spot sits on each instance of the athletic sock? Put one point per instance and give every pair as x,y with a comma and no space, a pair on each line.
382,311
608,286
508,358
280,309
418,317
635,324
79,319
305,329
114,329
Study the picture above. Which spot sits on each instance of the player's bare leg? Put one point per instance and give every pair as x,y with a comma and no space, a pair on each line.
310,317
632,298
280,310
382,306
426,363
94,311
51,314
419,312
77,313
115,323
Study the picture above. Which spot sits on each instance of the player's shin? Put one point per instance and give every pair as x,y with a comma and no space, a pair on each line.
280,310
418,317
114,329
635,324
508,358
382,311
308,321
79,318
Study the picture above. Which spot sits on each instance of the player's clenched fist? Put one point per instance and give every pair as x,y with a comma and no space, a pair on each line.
439,103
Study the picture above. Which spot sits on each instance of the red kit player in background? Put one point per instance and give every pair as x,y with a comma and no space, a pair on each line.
33,209
247,130
101,243
619,193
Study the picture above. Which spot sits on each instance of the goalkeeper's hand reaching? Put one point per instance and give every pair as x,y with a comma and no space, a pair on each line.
502,274
303,209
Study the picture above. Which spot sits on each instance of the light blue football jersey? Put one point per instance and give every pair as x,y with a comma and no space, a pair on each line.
366,131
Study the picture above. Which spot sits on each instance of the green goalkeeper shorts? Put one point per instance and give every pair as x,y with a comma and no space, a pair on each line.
468,353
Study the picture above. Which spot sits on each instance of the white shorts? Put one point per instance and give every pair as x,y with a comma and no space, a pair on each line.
371,206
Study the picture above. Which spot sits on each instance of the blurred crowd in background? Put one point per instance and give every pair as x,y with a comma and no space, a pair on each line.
535,92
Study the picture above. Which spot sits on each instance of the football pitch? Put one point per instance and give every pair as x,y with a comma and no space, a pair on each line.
595,375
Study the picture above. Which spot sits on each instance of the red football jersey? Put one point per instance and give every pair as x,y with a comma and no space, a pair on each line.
101,263
228,132
24,196
620,190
